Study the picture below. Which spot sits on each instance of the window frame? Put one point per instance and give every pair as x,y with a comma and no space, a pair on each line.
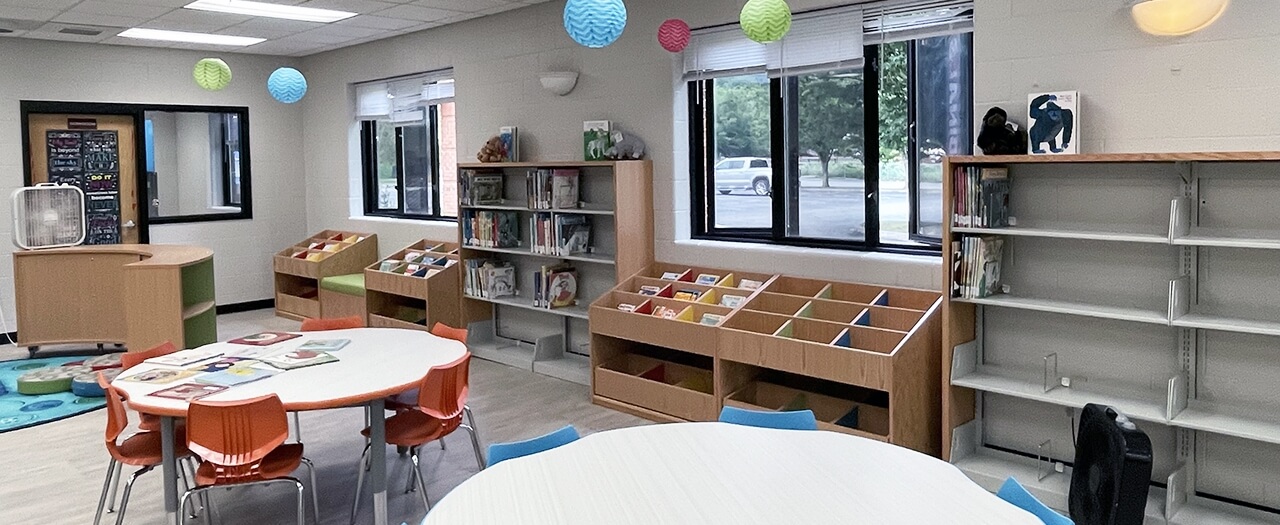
701,94
227,193
369,169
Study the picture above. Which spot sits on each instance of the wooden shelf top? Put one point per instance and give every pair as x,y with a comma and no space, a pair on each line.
151,255
1223,156
544,164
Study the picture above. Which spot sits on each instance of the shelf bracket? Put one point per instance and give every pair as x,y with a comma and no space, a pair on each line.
1176,400
1176,491
965,440
965,359
1186,170
1045,465
1050,377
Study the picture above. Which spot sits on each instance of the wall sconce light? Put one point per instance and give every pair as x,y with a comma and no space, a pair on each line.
1176,17
560,82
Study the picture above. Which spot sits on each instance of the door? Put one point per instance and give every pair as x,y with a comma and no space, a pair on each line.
98,153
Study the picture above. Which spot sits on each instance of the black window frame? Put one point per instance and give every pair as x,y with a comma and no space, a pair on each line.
229,197
701,95
369,170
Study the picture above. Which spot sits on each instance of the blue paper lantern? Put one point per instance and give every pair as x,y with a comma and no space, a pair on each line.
595,23
287,85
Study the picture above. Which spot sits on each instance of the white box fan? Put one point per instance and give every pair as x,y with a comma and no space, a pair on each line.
48,216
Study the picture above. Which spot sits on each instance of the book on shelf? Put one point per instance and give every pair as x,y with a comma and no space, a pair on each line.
732,301
387,265
555,286
711,319
649,289
981,197
749,284
976,266
510,136
480,188
597,138
411,269
688,294
480,274
490,229
708,279
573,234
627,307
671,276
564,189
500,281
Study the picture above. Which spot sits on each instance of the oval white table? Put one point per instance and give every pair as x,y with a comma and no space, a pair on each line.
716,473
378,362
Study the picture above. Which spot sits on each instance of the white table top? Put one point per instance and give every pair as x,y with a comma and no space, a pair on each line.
376,363
716,473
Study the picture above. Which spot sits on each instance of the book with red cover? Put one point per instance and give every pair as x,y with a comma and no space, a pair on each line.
264,338
189,391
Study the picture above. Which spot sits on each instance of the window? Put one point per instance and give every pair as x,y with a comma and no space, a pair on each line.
831,137
408,146
196,164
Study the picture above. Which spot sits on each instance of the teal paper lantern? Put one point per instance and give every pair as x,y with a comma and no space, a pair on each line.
765,20
595,23
212,74
287,85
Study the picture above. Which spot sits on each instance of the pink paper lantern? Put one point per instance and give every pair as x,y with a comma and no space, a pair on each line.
673,35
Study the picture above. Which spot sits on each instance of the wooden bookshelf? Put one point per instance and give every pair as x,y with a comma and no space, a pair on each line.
1141,281
299,269
616,198
791,343
396,300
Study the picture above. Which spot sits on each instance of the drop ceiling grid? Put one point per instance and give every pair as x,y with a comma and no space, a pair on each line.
376,19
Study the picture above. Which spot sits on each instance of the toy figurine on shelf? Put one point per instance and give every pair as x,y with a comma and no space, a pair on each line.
493,151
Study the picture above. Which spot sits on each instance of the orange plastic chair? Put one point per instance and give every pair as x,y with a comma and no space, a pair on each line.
143,449
442,398
408,400
340,323
242,443
131,359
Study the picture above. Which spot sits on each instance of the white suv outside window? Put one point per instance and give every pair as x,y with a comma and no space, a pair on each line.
743,173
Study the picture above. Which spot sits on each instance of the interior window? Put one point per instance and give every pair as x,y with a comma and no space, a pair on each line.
195,163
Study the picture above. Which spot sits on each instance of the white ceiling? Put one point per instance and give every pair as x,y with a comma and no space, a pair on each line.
378,19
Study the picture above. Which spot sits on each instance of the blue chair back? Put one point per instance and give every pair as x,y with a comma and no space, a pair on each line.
1013,492
499,452
792,420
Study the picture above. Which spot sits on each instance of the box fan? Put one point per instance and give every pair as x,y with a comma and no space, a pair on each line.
48,216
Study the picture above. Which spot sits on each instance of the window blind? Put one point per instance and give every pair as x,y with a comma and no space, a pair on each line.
895,21
722,51
402,99
823,41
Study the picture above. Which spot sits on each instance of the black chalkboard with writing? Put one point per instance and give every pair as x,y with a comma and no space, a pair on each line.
90,160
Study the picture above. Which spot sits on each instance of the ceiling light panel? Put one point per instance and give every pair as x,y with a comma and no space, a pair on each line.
194,38
263,9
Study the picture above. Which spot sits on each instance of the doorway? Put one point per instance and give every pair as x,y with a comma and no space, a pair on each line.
98,154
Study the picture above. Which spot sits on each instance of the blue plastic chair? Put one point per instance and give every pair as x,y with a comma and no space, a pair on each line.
1013,492
499,452
791,420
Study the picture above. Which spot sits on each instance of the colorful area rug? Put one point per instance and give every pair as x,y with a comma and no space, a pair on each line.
21,411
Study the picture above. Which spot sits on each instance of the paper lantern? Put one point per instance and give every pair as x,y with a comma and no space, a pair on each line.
765,20
287,85
595,23
212,74
674,35
1177,17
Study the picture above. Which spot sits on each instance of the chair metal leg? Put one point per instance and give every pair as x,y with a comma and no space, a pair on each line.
297,428
106,486
475,436
411,483
422,484
364,466
315,489
128,487
115,486
442,447
302,507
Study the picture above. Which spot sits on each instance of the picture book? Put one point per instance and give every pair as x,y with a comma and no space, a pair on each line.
708,279
500,281
688,295
649,289
562,288
485,189
412,257
626,307
670,313
184,357
597,138
236,375
732,301
298,358
671,276
387,265
573,233
264,338
1053,123
159,376
660,311
564,189
222,363
748,284
510,136
189,391
423,271
324,345
710,319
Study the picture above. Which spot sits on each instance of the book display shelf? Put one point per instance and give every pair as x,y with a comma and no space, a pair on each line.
1149,282
414,288
299,269
536,250
674,343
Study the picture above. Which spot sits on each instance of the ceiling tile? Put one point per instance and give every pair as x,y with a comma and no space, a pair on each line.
102,7
12,34
466,6
351,32
351,6
280,47
53,35
71,17
277,24
257,32
198,21
378,22
25,13
424,14
316,37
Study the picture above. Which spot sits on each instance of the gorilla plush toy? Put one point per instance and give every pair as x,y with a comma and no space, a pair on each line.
1050,121
999,136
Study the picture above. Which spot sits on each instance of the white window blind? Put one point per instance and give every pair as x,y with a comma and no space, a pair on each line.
823,40
402,99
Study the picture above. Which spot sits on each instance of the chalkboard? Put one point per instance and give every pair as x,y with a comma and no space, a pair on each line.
90,160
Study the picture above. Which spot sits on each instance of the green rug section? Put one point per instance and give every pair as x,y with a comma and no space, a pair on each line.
21,411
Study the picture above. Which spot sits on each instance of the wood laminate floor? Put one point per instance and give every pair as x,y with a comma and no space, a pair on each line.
51,474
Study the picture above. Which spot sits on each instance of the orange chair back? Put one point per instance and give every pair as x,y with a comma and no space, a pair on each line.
340,323
236,435
130,359
449,332
443,393
117,416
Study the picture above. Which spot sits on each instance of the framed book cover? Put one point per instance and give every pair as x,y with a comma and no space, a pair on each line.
264,338
1052,123
597,138
189,391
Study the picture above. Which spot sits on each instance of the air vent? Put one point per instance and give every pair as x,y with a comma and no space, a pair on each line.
4,31
82,31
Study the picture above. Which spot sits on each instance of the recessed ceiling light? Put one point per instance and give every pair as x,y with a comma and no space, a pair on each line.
288,12
194,38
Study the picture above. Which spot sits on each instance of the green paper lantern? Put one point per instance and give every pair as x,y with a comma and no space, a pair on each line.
212,74
765,20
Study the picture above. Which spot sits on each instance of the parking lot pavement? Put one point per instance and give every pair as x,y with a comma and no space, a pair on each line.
828,213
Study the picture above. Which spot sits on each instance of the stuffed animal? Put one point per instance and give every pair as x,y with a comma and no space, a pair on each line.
493,151
625,147
999,136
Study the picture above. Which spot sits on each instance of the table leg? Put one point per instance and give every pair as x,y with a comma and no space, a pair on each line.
169,469
378,460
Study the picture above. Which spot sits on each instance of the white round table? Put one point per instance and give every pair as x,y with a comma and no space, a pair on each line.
378,362
716,473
